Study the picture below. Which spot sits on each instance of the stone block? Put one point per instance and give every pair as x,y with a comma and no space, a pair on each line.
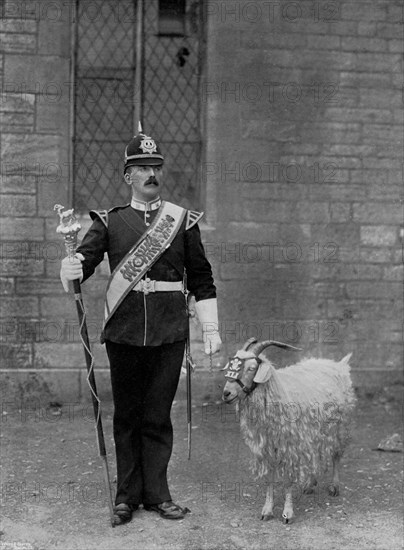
343,28
20,267
340,212
17,182
60,307
378,235
16,102
360,11
21,229
319,42
363,44
367,80
260,270
366,28
382,135
375,255
395,13
15,356
7,285
387,192
38,287
17,43
54,184
395,46
378,213
54,38
390,30
378,177
18,205
381,99
379,162
301,306
17,122
378,62
366,115
37,74
31,153
19,307
393,273
346,272
51,117
57,355
264,40
245,302
379,290
66,355
18,25
320,132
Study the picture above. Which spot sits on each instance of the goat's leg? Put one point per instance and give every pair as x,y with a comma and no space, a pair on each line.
268,509
309,486
333,487
287,514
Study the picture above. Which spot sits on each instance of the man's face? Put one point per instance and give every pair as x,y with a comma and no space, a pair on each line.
146,181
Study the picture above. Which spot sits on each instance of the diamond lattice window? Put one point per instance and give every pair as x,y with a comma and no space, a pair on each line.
105,99
171,100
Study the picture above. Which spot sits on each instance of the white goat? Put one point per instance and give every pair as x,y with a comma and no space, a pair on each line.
295,420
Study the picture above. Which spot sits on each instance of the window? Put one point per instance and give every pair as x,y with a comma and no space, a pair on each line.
104,101
110,91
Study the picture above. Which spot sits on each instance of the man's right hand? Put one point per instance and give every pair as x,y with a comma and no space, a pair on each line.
71,269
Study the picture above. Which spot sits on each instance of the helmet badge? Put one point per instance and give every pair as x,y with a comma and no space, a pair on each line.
148,145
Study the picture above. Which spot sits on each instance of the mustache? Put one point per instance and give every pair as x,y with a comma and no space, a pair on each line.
151,180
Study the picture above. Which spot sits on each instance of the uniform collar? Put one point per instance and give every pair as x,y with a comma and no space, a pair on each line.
146,206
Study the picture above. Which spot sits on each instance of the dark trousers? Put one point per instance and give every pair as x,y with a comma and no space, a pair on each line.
144,381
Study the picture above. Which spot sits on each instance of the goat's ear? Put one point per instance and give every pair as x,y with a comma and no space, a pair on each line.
263,373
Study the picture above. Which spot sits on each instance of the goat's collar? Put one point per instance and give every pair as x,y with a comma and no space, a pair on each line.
244,387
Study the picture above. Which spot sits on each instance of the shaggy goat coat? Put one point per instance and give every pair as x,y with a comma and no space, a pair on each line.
298,421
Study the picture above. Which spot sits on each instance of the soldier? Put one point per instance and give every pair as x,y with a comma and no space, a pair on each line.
153,246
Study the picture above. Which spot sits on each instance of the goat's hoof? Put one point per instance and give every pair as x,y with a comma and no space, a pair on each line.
267,517
285,519
333,490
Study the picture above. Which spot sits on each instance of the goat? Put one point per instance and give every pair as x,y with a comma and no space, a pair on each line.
295,420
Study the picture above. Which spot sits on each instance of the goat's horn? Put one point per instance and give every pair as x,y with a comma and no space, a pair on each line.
260,346
249,343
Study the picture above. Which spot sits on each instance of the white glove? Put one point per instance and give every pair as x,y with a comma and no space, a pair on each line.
207,315
71,269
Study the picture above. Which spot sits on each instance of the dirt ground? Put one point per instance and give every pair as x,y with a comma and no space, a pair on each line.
53,495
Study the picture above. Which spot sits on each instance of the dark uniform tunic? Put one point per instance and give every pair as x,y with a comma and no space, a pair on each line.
145,341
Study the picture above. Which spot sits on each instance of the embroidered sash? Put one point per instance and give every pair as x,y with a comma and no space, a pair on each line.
146,251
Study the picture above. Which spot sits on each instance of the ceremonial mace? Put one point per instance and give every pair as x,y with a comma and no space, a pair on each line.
69,228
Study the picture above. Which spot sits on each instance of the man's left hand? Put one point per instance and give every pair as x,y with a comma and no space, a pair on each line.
212,341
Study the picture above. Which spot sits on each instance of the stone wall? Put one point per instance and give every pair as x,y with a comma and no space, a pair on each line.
305,148
302,176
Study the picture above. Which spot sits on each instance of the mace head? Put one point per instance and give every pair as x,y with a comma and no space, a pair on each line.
68,221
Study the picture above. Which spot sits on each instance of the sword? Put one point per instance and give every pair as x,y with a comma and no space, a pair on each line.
69,228
190,366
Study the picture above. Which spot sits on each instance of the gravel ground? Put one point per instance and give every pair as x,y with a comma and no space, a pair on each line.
53,496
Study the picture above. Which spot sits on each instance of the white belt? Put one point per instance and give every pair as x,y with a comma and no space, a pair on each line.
148,285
